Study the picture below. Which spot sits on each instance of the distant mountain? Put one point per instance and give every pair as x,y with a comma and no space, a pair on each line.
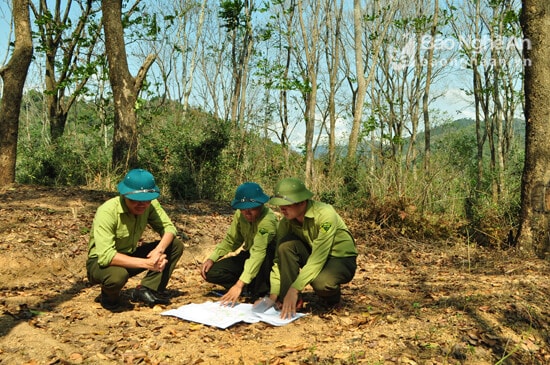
466,124
438,133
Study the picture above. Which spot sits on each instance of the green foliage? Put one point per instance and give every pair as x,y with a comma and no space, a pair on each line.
183,150
231,13
199,157
193,155
491,214
67,163
196,156
445,200
250,157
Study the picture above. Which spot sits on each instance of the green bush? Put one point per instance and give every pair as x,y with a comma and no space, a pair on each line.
70,162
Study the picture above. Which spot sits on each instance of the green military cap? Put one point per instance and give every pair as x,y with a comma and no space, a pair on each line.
290,191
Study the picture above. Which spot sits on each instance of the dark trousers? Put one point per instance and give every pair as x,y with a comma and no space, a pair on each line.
228,270
293,255
113,278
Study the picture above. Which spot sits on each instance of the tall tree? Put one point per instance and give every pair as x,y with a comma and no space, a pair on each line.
236,15
333,41
188,82
125,87
535,192
485,30
367,41
426,94
504,24
213,89
309,67
13,77
361,80
69,54
401,81
274,71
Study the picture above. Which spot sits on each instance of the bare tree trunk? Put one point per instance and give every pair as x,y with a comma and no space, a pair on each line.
498,70
215,90
535,191
244,79
479,101
240,56
414,92
426,95
13,76
332,53
189,82
125,87
283,101
361,80
310,37
358,98
283,95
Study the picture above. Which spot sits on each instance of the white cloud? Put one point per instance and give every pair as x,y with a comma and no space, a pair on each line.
457,103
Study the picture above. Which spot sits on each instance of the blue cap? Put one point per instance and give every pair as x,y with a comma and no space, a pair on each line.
139,185
249,195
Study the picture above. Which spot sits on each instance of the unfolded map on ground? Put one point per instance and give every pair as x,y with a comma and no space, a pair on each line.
216,315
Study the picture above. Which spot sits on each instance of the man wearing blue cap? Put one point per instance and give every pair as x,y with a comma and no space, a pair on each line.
113,252
253,229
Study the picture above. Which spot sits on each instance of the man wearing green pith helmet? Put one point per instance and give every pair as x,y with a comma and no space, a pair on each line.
113,251
252,234
314,247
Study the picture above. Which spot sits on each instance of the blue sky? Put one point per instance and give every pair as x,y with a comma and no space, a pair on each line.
5,18
454,100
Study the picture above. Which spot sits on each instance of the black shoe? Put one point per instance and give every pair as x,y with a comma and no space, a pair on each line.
108,303
331,300
148,296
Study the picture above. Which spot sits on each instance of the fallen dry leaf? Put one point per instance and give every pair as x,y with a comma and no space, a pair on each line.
409,298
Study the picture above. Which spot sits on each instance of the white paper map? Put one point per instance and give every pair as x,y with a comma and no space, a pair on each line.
216,315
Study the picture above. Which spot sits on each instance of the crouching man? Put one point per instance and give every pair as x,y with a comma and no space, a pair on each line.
314,247
113,252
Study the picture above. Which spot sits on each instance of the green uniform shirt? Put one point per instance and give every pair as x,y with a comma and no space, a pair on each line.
327,234
253,237
114,229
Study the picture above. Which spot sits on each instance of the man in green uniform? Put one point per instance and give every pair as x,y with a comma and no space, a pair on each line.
113,252
253,229
314,246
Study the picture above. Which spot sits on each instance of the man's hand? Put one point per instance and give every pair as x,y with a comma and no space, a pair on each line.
288,310
157,259
232,296
205,267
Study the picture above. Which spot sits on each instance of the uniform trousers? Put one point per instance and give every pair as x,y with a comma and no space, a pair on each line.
293,255
113,278
228,270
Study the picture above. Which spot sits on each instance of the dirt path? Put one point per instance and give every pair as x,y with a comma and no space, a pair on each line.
409,303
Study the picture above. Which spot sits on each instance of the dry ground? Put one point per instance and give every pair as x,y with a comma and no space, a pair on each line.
409,303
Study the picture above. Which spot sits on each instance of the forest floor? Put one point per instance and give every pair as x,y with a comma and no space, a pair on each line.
410,302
